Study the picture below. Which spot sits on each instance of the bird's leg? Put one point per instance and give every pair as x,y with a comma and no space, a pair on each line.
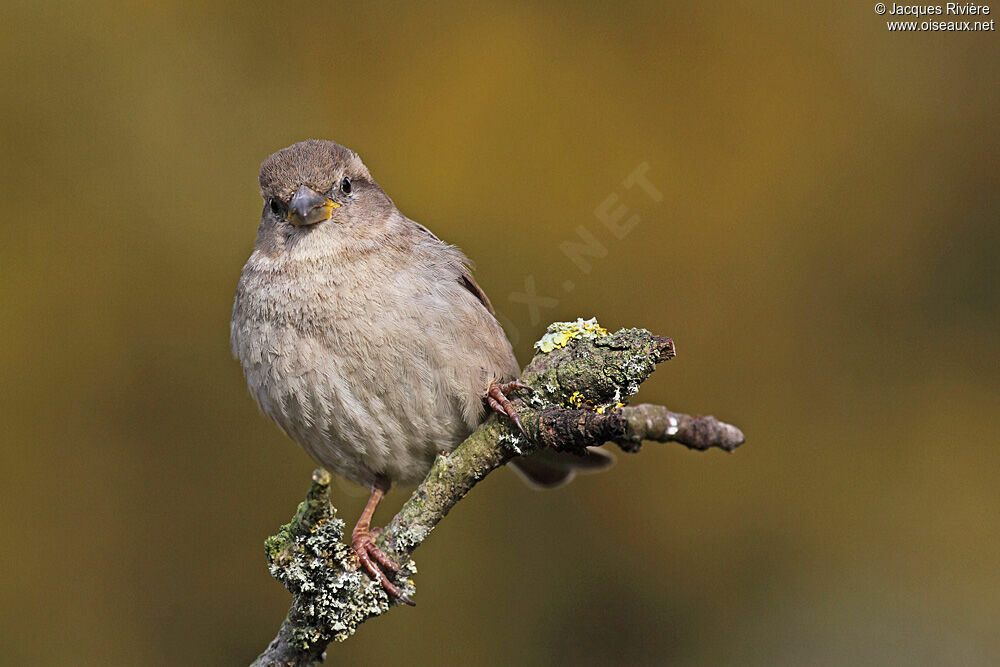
364,545
501,405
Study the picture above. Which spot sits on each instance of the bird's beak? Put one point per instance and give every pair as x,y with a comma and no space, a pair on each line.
308,207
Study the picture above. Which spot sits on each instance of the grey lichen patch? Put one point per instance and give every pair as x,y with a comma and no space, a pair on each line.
513,441
412,536
309,557
332,597
560,333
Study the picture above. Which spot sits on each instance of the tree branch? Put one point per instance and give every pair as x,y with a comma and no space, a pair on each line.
580,379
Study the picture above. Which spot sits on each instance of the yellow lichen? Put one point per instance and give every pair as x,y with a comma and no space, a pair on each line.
576,400
560,333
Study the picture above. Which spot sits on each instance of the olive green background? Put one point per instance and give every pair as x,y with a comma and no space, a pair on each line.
824,255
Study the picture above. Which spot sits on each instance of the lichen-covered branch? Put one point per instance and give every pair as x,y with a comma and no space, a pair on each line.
580,378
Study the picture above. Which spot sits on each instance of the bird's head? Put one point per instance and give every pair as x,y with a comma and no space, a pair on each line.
314,183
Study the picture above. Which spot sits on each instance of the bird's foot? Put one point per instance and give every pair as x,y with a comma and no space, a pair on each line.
500,404
374,561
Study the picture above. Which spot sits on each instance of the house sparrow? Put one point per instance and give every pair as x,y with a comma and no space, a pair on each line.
366,338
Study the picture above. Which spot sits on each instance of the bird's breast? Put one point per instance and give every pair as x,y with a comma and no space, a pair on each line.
372,371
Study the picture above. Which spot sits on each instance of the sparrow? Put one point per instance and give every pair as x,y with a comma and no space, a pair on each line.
366,338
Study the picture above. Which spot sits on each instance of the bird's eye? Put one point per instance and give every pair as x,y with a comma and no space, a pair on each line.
345,186
276,206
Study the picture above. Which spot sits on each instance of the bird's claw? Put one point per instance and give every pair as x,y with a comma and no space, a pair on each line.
499,403
371,558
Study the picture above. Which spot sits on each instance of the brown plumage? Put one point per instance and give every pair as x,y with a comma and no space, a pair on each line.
364,336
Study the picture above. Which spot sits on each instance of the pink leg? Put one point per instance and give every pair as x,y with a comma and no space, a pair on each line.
368,554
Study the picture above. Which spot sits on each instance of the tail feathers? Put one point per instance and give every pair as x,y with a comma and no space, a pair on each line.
546,469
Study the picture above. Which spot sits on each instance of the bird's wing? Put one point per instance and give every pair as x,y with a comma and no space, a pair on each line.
470,284
466,276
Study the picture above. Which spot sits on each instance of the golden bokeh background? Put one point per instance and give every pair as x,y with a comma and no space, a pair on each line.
824,254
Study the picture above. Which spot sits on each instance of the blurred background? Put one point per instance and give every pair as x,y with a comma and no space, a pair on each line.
824,253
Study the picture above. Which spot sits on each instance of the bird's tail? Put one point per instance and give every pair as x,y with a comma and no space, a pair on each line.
547,468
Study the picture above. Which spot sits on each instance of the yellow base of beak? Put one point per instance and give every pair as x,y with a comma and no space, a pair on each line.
318,214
